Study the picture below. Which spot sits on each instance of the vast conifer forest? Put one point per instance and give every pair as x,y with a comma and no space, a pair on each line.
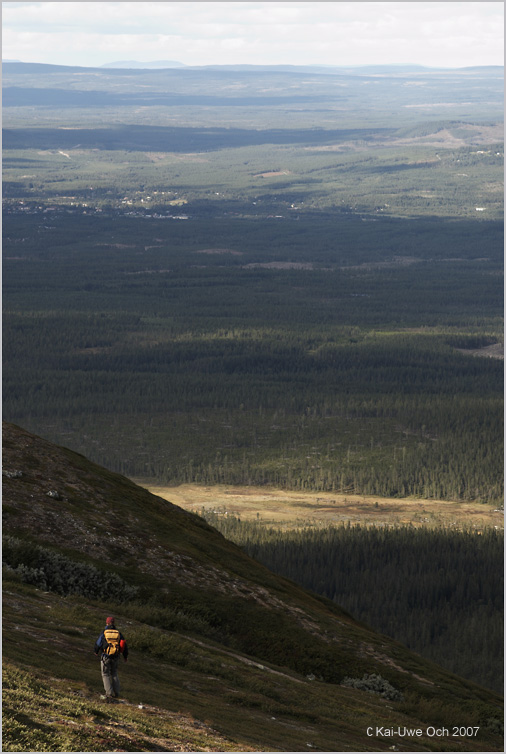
285,286
271,361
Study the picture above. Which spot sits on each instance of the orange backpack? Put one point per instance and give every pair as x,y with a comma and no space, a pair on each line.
112,637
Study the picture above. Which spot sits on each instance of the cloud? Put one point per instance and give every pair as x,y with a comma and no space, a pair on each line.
201,33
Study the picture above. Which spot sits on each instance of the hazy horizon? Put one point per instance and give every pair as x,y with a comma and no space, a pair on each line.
341,34
178,65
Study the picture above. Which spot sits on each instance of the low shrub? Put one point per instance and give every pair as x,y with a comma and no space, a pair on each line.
53,572
374,684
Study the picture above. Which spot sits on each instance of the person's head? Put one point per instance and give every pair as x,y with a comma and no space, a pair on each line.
109,621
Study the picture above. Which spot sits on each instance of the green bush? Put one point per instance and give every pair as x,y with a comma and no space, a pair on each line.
53,572
374,684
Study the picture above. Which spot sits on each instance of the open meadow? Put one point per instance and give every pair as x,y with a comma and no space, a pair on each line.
288,509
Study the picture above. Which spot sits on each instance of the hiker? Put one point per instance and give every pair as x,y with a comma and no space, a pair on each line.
110,644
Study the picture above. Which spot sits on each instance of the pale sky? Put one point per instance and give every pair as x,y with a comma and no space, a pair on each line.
447,34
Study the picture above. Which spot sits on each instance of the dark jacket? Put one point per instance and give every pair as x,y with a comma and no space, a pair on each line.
101,643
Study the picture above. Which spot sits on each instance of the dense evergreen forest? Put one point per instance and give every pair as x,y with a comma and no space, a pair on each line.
326,354
439,592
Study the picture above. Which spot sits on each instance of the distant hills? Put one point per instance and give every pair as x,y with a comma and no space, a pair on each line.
149,64
401,94
369,70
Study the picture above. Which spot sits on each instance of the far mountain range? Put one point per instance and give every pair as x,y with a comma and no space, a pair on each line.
148,64
363,69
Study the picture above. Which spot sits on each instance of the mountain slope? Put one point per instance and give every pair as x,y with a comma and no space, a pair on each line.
213,634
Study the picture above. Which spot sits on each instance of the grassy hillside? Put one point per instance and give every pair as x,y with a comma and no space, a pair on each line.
224,654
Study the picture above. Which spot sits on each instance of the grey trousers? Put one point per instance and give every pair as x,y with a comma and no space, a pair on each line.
109,667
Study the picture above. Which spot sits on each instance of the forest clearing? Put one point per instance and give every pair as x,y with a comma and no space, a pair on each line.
289,509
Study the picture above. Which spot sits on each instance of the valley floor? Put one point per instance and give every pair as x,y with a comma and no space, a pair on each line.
288,509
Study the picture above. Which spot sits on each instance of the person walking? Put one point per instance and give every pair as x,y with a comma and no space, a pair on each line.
109,645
